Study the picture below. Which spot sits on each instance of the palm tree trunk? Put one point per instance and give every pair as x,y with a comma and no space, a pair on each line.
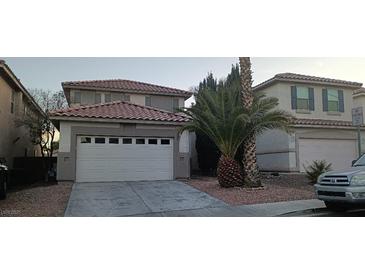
229,172
249,145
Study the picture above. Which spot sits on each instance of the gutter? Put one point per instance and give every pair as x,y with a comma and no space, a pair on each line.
120,121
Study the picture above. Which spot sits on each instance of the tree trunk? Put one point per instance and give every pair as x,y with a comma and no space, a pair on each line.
249,145
250,169
229,172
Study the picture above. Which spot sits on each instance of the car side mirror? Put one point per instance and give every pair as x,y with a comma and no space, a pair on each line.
353,162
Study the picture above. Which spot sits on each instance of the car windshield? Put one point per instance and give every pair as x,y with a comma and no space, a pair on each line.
360,161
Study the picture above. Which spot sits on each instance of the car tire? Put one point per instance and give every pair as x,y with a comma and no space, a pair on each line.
336,207
3,190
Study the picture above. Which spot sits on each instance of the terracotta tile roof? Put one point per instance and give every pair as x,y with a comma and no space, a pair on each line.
126,85
299,78
120,110
320,122
359,91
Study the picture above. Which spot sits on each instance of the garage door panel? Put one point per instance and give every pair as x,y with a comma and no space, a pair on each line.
339,153
123,162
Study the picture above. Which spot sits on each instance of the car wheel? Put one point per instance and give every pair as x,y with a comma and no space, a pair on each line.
3,190
337,207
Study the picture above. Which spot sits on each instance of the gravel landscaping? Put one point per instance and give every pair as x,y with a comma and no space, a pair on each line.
38,200
285,187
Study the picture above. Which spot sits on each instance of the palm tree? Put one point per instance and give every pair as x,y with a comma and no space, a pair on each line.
222,117
249,145
217,115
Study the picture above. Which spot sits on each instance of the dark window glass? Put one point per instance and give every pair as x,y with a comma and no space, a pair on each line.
165,141
175,104
140,141
152,141
127,140
85,140
108,97
148,101
126,97
77,97
99,140
97,98
113,141
303,98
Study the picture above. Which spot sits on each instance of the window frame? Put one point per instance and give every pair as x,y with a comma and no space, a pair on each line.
109,96
149,100
298,98
175,104
77,93
101,98
329,90
125,97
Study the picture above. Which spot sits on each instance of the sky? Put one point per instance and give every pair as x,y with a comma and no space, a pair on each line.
178,72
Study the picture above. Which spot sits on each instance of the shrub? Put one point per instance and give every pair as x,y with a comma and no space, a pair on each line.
315,169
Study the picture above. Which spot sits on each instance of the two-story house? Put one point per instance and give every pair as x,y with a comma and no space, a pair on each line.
15,104
322,129
121,130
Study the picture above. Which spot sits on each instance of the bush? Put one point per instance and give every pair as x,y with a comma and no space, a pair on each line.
315,169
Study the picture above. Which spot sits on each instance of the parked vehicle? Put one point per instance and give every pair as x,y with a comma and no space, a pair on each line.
4,175
341,190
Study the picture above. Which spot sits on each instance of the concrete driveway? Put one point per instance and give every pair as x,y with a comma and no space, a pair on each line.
152,198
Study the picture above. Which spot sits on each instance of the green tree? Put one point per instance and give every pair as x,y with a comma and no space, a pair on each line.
223,118
207,152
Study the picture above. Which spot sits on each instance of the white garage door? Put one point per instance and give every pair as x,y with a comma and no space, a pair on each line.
338,152
109,159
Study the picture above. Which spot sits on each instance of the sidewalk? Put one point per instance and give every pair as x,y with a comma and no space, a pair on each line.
257,210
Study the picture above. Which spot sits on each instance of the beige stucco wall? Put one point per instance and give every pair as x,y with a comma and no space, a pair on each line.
14,140
65,132
282,91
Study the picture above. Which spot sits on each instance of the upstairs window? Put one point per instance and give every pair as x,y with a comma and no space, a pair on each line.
77,97
108,97
126,97
302,98
148,101
175,104
333,100
97,98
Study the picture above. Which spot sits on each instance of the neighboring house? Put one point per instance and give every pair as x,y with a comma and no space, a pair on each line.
120,130
15,104
323,125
